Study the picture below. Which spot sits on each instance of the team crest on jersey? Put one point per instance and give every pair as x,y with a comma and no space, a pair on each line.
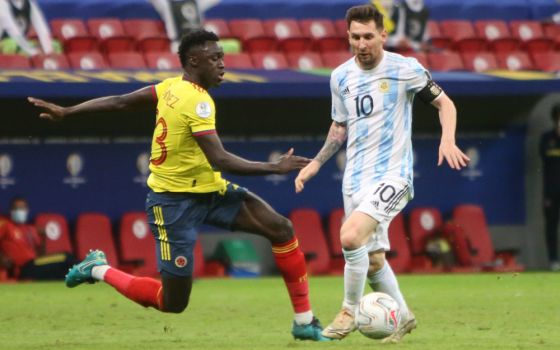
384,86
181,261
203,109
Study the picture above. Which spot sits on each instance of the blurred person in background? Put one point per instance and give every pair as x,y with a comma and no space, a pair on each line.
550,154
22,248
410,18
181,17
17,17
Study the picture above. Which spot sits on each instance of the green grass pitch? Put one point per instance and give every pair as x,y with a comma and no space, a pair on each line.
484,311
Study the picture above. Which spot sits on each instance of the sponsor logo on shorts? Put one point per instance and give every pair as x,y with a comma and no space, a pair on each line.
181,261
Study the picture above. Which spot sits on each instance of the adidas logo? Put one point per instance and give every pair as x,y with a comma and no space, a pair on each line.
346,91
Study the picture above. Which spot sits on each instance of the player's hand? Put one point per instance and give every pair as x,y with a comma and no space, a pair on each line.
306,173
288,162
453,155
50,111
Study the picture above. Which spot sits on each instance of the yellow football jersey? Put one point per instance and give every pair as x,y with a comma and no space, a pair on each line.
177,164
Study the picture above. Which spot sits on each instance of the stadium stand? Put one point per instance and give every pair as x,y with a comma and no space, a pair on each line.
531,36
304,60
335,58
162,60
323,34
479,61
288,35
423,224
547,61
399,256
50,62
445,61
497,35
514,61
74,35
269,60
86,61
136,243
126,60
462,35
111,35
335,219
238,60
309,230
14,62
472,221
252,35
218,26
57,234
93,231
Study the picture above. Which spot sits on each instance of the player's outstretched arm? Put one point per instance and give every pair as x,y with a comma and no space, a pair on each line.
335,140
137,100
448,150
228,162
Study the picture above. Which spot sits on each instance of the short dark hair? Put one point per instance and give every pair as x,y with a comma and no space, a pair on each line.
364,14
194,38
15,199
555,113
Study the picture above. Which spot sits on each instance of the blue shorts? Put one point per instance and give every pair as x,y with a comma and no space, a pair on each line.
174,217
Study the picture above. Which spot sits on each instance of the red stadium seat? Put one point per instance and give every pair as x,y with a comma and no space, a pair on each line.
547,61
305,60
93,231
73,34
423,223
126,60
445,61
111,34
472,221
14,62
479,61
149,34
50,62
288,35
309,231
341,28
531,36
516,60
137,243
336,218
462,35
552,32
437,38
251,33
218,26
399,256
420,56
162,60
335,58
238,61
269,61
324,35
57,234
86,61
497,35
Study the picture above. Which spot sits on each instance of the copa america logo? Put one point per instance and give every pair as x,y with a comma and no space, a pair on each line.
74,165
275,178
143,166
472,172
5,170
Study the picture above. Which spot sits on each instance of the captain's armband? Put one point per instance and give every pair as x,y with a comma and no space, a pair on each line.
430,92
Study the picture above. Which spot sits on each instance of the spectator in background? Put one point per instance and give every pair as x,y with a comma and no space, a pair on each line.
410,18
181,17
22,248
16,19
550,154
386,7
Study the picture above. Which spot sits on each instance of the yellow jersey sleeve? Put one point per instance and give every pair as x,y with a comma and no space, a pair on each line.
202,118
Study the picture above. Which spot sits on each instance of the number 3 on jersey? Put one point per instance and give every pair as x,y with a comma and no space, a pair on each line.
364,105
160,141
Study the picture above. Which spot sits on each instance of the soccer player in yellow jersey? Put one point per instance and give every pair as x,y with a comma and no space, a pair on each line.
187,188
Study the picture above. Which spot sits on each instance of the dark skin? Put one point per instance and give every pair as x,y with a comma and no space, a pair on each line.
204,67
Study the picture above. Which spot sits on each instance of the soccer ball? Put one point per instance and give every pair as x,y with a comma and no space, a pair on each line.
377,316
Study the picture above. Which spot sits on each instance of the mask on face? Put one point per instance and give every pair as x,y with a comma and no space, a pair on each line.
19,216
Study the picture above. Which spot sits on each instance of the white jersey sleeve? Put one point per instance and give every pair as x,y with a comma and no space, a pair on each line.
417,76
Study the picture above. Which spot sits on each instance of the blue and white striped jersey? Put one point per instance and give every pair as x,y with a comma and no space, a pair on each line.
376,106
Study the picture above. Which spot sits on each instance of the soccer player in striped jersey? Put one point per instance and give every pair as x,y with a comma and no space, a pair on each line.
372,96
187,188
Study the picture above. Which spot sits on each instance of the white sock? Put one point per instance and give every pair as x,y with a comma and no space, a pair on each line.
303,317
385,281
98,272
355,274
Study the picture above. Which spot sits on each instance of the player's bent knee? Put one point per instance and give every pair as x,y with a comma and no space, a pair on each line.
282,231
349,240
